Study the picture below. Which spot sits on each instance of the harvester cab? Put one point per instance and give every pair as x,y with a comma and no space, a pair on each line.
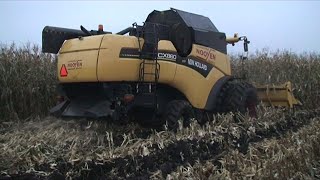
175,66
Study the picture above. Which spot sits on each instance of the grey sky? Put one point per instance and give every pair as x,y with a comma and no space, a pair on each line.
291,25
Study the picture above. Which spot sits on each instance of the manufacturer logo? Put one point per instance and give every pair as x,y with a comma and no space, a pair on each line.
197,64
75,64
206,54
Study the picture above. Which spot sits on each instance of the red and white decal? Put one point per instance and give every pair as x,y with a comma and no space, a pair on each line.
63,71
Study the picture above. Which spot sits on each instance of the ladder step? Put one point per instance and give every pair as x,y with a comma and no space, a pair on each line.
150,63
150,58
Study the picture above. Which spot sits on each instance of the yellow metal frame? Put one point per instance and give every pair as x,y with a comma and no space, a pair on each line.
98,60
280,95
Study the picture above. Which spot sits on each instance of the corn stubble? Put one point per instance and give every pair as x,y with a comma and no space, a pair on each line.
278,145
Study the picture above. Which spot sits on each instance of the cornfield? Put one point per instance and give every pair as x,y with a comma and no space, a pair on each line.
27,80
279,144
303,70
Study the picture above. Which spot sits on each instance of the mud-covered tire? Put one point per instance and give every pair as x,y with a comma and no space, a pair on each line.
176,110
147,117
238,96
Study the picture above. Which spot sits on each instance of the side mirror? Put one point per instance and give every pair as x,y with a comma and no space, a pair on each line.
245,47
245,44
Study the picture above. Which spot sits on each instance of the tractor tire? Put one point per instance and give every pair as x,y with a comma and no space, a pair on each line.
147,118
176,110
238,96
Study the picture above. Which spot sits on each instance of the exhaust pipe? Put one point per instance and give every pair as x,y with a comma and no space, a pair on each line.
54,37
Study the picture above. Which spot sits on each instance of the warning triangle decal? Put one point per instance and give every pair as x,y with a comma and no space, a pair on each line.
63,71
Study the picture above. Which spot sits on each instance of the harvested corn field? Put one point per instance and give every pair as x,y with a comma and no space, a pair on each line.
279,144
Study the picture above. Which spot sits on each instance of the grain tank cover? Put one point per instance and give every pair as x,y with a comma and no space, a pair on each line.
184,29
197,22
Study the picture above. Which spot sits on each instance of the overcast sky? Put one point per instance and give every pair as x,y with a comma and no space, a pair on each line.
291,25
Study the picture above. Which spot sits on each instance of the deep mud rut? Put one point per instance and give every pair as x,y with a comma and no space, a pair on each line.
167,159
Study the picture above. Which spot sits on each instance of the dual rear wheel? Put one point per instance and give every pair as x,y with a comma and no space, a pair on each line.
235,96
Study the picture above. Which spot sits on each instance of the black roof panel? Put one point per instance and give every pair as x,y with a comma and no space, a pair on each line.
196,21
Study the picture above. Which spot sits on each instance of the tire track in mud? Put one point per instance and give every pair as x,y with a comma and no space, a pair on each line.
280,128
179,153
166,160
189,151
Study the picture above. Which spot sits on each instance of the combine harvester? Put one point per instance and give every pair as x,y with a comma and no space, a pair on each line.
173,66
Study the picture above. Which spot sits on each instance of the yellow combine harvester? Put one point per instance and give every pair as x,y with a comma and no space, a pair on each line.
174,66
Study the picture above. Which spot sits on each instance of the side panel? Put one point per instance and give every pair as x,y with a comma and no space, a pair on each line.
220,60
113,67
168,65
194,85
79,56
81,66
83,44
110,66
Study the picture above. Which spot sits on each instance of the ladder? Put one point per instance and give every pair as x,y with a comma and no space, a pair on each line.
149,67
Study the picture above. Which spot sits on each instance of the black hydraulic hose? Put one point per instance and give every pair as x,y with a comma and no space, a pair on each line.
125,31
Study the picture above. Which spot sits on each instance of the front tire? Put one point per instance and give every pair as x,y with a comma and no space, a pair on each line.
238,96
